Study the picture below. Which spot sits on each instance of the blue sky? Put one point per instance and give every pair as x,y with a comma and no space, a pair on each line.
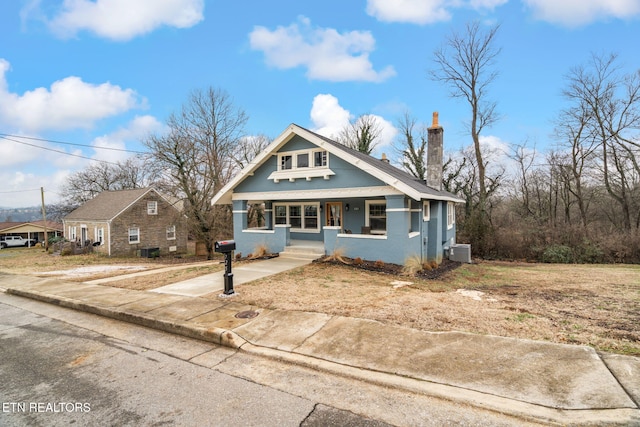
109,72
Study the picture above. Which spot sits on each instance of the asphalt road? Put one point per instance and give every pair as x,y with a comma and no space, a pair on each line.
61,367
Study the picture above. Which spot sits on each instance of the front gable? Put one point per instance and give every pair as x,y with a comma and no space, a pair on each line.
299,165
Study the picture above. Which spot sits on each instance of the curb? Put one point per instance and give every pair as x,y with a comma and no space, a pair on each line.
228,338
218,336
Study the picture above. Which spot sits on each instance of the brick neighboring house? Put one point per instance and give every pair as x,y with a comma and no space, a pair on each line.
128,223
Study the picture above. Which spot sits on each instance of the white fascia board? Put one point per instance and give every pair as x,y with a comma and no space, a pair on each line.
330,193
223,197
375,172
453,199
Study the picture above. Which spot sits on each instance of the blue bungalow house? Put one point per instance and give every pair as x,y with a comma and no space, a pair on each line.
314,189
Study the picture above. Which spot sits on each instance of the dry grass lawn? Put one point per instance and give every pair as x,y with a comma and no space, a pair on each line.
596,305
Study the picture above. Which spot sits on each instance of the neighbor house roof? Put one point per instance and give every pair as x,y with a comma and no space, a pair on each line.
389,174
23,227
108,205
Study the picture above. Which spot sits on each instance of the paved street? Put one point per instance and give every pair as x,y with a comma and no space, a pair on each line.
61,366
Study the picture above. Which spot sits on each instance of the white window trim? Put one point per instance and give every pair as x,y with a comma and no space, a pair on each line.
451,215
302,205
152,207
73,233
305,172
426,210
129,235
98,234
173,231
367,223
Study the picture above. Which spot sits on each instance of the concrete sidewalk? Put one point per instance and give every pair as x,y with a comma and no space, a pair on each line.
538,381
214,282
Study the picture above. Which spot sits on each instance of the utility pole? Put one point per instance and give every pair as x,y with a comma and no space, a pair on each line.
44,221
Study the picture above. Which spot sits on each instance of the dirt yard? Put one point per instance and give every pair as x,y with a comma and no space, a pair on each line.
596,305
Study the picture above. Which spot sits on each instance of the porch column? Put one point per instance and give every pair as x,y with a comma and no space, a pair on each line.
268,215
240,220
398,217
399,244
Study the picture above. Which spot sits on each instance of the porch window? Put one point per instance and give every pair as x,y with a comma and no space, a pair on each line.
171,232
376,216
134,235
280,214
311,216
295,216
300,216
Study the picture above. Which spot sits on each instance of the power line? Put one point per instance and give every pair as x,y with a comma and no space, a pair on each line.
19,191
57,151
6,135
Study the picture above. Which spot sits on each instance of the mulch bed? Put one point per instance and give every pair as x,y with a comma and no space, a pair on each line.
392,269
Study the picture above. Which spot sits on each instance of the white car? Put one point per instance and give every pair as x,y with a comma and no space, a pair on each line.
14,241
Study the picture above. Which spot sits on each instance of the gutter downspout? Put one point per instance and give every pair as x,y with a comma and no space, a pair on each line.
109,238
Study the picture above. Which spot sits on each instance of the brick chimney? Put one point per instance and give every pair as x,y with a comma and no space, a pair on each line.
434,154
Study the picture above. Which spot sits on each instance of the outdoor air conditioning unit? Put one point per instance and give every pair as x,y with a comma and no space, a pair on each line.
460,253
149,252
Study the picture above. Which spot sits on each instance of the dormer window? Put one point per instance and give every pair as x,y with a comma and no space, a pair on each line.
302,159
320,159
286,162
302,164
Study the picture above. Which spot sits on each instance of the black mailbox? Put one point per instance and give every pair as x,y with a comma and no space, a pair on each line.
224,246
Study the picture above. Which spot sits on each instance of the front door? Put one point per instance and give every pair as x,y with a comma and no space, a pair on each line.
334,214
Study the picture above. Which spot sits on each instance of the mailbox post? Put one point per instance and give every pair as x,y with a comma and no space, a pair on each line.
226,247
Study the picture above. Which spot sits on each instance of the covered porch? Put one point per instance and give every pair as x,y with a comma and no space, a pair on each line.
391,228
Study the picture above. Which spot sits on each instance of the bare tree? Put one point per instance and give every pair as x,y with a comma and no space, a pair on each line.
465,63
362,134
611,101
413,152
197,158
87,183
249,147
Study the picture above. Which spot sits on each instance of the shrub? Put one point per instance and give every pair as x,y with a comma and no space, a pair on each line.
337,255
378,264
590,254
558,254
412,265
259,251
357,261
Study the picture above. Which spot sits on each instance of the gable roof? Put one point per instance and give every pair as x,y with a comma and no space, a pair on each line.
7,227
108,205
384,171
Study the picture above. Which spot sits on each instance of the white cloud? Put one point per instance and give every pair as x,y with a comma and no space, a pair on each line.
69,103
125,19
137,130
24,168
424,11
329,118
412,11
574,13
326,53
